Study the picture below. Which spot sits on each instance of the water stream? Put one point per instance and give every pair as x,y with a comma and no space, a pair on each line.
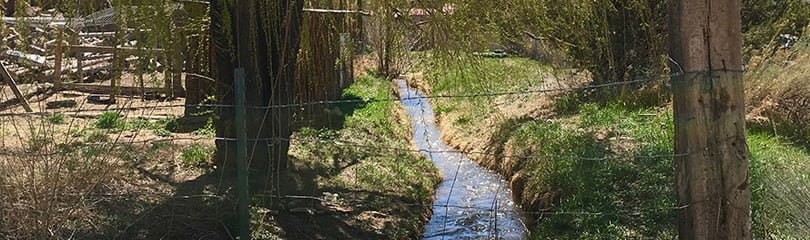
471,202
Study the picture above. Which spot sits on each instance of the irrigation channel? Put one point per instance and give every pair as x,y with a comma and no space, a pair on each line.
471,202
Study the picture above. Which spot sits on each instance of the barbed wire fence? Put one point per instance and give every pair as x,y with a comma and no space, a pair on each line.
127,111
53,156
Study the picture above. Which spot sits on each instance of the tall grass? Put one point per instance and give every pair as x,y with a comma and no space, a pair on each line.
607,161
778,93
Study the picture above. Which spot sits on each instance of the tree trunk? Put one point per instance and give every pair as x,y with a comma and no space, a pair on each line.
265,43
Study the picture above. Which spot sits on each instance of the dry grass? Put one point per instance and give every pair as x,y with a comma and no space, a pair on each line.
65,178
47,182
778,93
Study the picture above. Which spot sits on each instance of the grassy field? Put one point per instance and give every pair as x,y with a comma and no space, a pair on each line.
607,164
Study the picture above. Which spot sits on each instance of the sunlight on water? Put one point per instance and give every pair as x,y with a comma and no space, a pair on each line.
468,199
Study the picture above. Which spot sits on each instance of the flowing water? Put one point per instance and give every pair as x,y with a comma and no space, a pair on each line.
471,202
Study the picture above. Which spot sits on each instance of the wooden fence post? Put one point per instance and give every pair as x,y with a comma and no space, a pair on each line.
57,68
6,75
242,183
714,195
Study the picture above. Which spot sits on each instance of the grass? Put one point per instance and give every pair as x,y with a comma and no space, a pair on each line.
632,193
196,155
603,159
57,118
488,75
377,179
110,120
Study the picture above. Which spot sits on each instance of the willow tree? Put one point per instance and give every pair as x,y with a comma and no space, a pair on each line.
261,36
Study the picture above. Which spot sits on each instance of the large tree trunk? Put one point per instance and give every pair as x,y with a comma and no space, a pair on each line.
265,44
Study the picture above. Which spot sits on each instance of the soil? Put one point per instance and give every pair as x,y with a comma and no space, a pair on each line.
150,192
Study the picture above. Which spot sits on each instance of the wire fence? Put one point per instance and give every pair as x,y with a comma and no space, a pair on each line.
20,121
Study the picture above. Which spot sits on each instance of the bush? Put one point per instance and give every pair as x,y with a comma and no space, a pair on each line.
44,195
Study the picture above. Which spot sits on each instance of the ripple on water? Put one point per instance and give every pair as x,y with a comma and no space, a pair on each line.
463,206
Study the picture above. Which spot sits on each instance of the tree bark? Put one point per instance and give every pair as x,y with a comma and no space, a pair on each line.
265,43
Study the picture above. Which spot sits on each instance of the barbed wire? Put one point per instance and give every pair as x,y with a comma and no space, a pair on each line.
368,101
361,203
494,209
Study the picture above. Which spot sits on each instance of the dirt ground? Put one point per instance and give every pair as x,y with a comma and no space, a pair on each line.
137,181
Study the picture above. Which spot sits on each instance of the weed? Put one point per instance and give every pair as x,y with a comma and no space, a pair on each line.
110,120
56,118
208,130
139,123
97,137
168,124
443,109
196,155
39,142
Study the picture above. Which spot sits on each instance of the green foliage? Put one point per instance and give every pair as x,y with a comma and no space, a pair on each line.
196,155
469,76
161,132
612,161
56,118
602,168
387,175
375,115
138,124
207,130
169,124
779,173
110,120
39,141
764,20
614,40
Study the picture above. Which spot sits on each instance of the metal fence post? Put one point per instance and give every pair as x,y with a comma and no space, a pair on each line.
241,156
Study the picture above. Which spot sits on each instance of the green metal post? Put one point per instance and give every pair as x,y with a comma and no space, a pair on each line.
241,156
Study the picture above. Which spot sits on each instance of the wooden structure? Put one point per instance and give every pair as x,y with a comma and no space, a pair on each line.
9,80
98,42
714,193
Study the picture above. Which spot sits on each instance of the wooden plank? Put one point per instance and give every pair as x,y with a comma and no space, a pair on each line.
105,49
714,194
36,90
107,89
334,11
74,40
13,85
